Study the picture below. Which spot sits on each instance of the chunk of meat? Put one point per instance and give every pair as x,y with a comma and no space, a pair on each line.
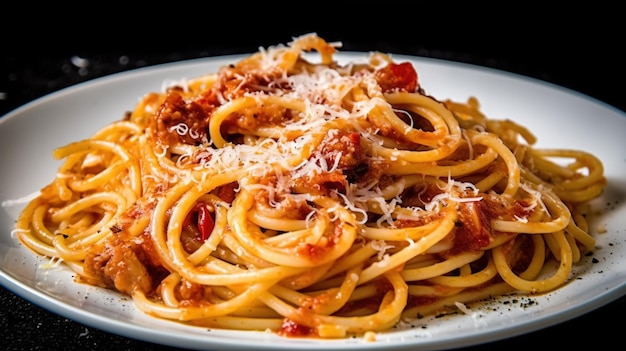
119,266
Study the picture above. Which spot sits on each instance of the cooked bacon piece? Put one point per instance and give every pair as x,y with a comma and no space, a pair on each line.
342,157
236,80
519,252
180,121
190,293
252,118
124,261
227,192
342,148
321,183
473,230
120,266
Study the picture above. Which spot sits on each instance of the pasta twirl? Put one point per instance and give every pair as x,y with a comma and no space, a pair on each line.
312,198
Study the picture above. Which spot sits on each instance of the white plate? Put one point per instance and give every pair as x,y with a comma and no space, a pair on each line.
558,117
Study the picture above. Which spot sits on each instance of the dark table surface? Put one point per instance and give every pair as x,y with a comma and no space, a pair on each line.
574,57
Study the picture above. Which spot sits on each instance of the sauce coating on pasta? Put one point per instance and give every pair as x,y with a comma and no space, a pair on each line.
312,198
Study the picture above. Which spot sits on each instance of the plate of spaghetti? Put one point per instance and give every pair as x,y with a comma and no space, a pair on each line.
301,197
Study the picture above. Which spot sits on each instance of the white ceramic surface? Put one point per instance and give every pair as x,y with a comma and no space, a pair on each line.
560,118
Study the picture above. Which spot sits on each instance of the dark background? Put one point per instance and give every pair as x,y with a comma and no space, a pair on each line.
578,49
582,49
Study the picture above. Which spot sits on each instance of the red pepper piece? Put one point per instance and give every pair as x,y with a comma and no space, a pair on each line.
205,221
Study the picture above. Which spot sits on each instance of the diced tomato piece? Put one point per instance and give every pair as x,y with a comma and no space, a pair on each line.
398,77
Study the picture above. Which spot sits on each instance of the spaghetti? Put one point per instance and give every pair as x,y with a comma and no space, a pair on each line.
312,199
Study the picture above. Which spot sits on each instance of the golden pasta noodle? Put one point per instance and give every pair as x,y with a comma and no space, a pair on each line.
312,199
